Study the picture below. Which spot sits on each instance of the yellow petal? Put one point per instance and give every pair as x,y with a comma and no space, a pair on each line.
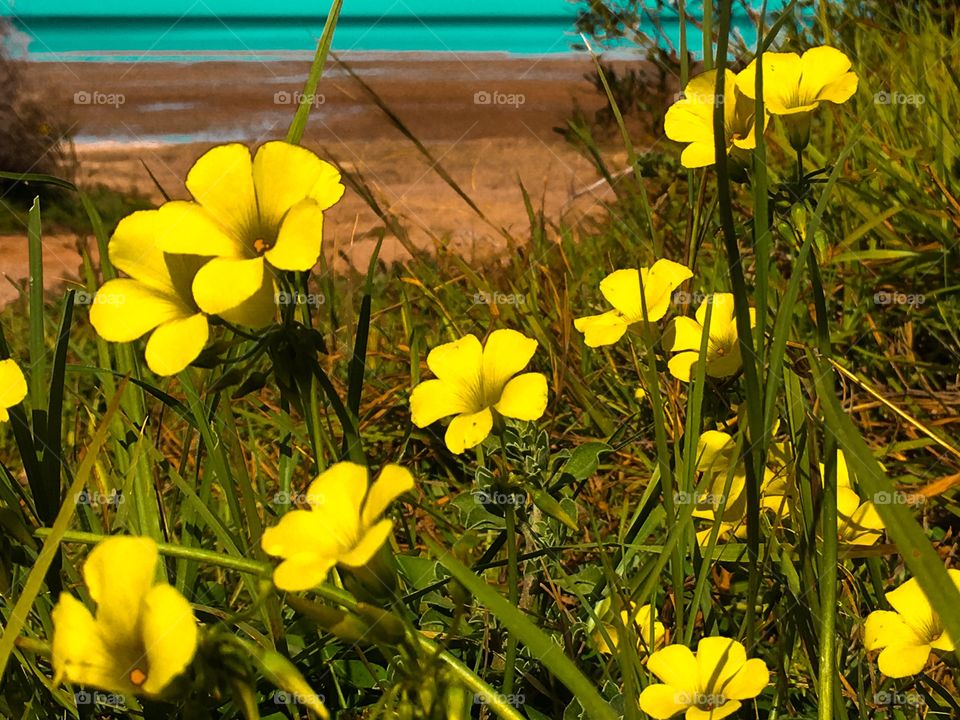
124,309
341,488
371,541
725,710
683,333
722,313
749,681
524,397
80,655
298,242
505,353
898,661
224,284
884,628
911,602
297,531
676,666
841,90
599,330
714,451
302,572
689,121
134,249
459,365
435,399
222,181
659,282
285,174
681,365
169,636
622,290
719,659
822,66
662,701
13,386
188,228
467,431
176,344
119,572
699,154
393,482
781,81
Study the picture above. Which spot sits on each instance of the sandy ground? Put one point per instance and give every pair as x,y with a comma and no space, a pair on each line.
488,121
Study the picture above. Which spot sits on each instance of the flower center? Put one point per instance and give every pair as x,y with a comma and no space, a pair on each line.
138,677
260,246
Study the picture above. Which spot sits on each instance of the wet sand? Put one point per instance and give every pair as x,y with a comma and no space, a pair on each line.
489,121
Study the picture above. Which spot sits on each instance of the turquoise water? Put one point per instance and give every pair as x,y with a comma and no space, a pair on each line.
128,30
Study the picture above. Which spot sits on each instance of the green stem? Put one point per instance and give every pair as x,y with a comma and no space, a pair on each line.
827,671
513,585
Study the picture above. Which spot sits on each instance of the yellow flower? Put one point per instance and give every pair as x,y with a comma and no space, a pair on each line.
342,527
144,633
13,387
642,619
907,635
622,290
254,218
690,120
706,686
794,86
472,381
858,523
155,298
723,345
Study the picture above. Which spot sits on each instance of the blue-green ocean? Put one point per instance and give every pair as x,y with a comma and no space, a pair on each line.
136,30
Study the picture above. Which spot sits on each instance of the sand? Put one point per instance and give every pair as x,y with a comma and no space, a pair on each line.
489,121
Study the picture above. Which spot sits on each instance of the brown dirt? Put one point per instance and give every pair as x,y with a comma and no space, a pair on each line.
164,115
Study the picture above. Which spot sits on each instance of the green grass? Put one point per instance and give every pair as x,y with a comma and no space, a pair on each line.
498,601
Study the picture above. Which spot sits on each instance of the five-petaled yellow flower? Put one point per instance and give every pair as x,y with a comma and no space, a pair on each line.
684,334
473,380
342,527
649,630
254,218
155,299
13,387
708,685
794,86
143,634
622,290
908,634
690,120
